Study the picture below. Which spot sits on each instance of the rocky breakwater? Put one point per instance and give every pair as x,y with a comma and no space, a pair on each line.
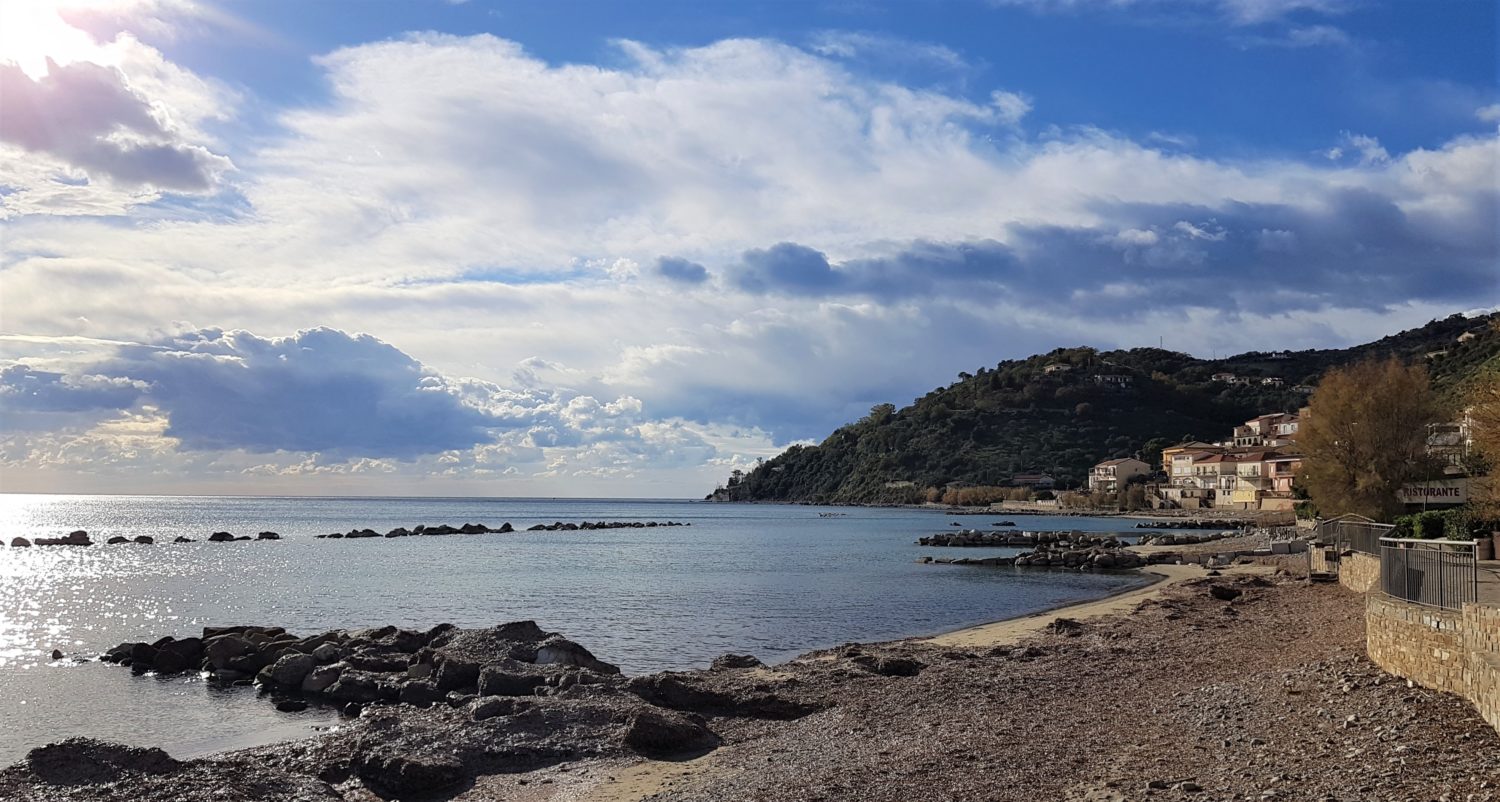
981,538
75,538
559,526
421,530
1184,540
1196,523
435,711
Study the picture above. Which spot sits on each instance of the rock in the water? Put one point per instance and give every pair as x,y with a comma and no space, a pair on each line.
268,536
117,539
145,540
291,705
656,731
57,654
19,543
291,669
326,653
219,652
220,537
182,539
79,761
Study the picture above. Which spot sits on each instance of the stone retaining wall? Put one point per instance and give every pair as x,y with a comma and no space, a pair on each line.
1359,572
1458,652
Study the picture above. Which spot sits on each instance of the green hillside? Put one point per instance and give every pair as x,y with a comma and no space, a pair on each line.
1064,411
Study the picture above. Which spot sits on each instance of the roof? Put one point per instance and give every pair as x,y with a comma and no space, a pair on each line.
1120,461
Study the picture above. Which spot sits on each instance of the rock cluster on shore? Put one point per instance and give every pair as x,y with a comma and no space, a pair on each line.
432,709
1184,540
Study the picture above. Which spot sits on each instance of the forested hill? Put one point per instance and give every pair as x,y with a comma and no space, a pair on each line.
1062,412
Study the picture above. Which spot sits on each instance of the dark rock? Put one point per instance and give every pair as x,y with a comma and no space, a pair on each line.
289,671
890,666
654,731
57,654
1066,626
80,761
420,692
220,537
728,661
561,651
268,536
218,652
405,774
145,540
356,686
453,674
19,543
322,678
181,539
498,706
379,662
170,662
117,539
509,680
291,705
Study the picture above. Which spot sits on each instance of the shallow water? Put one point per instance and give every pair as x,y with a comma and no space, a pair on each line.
773,581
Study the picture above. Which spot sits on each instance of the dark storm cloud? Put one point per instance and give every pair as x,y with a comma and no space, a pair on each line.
321,390
1357,249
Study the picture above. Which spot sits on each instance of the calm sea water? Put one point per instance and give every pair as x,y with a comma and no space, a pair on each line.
773,581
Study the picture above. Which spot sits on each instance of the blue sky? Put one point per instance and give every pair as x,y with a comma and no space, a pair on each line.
578,248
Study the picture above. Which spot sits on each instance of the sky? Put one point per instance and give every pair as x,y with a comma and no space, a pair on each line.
601,249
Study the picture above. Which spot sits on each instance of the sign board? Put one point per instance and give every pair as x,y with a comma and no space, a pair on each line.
1438,492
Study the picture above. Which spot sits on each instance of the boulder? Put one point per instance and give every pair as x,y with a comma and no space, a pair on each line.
498,706
420,692
326,653
402,773
219,651
509,680
117,539
453,674
729,661
356,686
887,666
86,761
268,536
291,670
181,539
220,537
19,543
320,679
561,651
505,528
656,732
145,540
291,705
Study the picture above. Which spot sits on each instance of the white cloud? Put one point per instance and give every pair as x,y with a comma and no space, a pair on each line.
1238,12
1489,114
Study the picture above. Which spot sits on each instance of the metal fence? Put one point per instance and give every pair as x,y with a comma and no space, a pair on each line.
1436,573
1354,534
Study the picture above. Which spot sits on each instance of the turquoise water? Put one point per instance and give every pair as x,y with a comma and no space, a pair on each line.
770,580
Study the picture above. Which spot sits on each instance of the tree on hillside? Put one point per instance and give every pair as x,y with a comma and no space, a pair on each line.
1366,436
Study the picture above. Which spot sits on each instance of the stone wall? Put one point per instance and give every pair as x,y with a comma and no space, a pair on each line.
1482,643
1358,571
1458,652
1422,644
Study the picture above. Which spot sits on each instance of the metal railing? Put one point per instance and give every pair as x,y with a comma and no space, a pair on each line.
1435,573
1354,534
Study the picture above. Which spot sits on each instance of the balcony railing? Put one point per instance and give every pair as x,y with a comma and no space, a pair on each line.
1358,535
1434,573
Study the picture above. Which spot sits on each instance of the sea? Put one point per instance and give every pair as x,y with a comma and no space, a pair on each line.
769,580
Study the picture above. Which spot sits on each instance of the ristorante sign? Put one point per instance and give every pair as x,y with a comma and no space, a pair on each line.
1445,491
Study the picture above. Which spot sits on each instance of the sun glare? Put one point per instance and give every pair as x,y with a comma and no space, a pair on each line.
34,31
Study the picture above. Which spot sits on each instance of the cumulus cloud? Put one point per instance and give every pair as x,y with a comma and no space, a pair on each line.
87,116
